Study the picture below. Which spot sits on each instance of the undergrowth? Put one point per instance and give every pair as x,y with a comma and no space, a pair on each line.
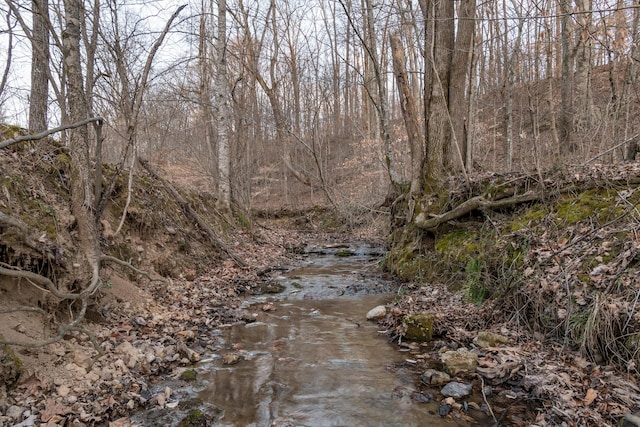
566,268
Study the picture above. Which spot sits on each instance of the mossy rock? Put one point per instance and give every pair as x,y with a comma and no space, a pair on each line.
10,366
189,375
418,326
196,418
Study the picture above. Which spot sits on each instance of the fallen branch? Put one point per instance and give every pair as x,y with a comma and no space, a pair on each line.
477,202
188,209
128,265
46,133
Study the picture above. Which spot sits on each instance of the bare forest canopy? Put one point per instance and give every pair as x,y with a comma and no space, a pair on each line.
288,102
275,104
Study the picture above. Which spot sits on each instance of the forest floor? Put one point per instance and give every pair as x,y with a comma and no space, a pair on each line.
149,331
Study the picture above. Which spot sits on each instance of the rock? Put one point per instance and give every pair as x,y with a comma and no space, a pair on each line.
444,410
10,366
230,358
377,313
461,361
433,377
489,339
196,418
418,326
188,375
456,390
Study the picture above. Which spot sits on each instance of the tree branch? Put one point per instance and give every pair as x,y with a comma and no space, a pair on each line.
45,133
128,265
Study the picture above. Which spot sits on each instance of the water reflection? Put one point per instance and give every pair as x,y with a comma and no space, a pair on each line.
314,363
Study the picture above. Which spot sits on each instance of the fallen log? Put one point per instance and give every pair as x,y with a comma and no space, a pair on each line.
477,202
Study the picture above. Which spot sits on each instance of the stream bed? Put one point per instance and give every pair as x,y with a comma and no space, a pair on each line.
311,358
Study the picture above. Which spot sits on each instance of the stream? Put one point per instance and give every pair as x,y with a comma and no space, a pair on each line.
311,358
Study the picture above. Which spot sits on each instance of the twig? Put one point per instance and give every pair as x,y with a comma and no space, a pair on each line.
486,402
626,141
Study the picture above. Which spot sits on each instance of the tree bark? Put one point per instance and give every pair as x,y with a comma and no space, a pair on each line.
409,113
566,121
39,93
460,80
438,124
222,113
81,191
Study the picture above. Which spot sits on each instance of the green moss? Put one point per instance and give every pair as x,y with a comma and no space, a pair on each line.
195,418
189,375
598,204
418,326
530,217
10,366
407,263
343,253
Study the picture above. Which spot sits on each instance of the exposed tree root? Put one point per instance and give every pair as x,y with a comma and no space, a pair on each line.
478,202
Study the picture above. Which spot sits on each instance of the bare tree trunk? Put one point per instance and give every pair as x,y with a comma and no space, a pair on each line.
39,94
509,81
204,91
409,113
567,114
631,79
584,44
438,135
222,113
460,80
81,193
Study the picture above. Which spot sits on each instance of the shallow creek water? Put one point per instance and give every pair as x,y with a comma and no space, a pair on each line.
313,359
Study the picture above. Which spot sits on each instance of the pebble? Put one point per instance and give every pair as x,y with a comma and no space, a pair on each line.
444,410
433,377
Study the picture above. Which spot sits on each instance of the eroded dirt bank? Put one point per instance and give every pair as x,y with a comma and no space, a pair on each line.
554,282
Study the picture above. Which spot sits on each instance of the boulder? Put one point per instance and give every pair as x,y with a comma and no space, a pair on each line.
461,361
377,313
418,326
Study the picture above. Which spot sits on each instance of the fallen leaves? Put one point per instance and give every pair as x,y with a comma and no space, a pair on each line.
53,409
